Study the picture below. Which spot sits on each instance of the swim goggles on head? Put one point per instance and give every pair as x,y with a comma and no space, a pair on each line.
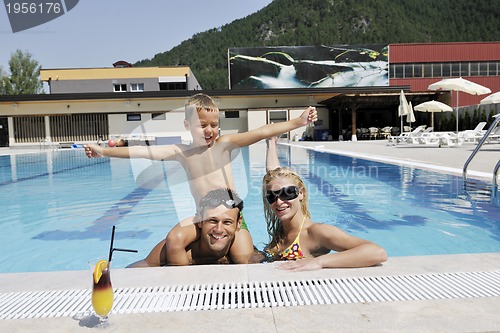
285,193
216,202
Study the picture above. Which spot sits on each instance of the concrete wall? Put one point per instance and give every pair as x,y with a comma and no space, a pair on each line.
233,125
147,127
77,86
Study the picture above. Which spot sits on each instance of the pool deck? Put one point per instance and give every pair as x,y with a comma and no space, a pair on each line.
469,314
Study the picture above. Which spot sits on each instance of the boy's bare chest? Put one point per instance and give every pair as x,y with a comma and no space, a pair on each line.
207,163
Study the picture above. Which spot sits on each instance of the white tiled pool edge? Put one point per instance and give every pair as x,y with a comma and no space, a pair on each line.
449,315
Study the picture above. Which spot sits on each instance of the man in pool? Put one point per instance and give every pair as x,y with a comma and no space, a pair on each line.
220,213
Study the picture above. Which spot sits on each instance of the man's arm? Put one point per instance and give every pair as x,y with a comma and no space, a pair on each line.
178,239
165,153
247,138
157,257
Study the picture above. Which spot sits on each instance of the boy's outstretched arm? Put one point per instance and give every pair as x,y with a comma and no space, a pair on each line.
247,138
165,153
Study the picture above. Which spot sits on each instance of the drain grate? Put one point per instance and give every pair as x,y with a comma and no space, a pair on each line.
256,294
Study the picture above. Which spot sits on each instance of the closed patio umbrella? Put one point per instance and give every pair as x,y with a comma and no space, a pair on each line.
410,117
403,109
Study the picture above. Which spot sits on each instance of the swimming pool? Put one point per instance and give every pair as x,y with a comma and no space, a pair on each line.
58,207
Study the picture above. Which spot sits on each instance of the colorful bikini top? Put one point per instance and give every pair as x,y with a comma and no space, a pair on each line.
294,252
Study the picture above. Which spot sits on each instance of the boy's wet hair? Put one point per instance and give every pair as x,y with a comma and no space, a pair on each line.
197,102
221,196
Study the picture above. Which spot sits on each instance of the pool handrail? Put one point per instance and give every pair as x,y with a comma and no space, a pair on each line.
481,142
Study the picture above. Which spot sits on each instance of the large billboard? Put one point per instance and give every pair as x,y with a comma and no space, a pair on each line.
308,66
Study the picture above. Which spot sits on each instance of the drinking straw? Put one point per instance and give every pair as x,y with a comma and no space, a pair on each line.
112,249
111,245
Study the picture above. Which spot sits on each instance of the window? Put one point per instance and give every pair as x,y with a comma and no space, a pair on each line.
159,116
408,70
464,69
474,69
133,117
436,70
137,87
447,69
427,70
398,71
173,86
455,69
417,70
483,69
232,114
120,88
492,68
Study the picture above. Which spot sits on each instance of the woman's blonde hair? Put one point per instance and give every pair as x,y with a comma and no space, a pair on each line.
274,225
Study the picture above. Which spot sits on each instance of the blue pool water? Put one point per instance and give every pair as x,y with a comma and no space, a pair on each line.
58,207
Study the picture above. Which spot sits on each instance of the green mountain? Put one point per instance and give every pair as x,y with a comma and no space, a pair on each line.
333,22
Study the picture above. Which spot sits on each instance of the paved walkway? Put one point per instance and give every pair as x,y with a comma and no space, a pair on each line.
450,160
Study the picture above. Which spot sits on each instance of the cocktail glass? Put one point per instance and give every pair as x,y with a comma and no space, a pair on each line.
102,290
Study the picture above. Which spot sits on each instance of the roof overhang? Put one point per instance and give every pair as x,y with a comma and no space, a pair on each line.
160,101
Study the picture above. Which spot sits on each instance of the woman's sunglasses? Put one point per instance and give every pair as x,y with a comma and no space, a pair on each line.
285,193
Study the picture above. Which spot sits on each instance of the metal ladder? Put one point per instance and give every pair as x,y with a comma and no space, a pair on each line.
494,189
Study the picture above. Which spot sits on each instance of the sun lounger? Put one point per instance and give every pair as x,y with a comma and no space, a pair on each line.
450,139
474,135
494,136
403,137
436,139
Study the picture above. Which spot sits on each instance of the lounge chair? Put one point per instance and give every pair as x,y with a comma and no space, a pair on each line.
437,139
423,137
474,135
403,137
494,136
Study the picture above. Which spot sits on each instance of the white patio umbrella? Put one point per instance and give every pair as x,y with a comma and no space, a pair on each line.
460,84
433,106
403,109
491,99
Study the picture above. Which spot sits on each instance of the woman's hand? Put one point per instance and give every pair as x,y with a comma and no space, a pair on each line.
307,264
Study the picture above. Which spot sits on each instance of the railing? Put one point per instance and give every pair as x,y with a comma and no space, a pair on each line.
47,143
494,189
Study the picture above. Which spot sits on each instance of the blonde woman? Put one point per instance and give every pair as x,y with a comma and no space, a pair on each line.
295,237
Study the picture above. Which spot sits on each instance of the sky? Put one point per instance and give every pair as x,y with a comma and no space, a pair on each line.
97,33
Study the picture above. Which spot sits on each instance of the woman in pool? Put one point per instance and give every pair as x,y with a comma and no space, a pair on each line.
294,236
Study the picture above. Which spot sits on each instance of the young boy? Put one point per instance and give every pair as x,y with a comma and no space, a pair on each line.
207,163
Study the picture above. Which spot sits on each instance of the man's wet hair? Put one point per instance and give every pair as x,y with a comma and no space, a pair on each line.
221,196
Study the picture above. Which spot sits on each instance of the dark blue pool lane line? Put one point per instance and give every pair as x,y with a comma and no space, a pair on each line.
101,226
45,174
